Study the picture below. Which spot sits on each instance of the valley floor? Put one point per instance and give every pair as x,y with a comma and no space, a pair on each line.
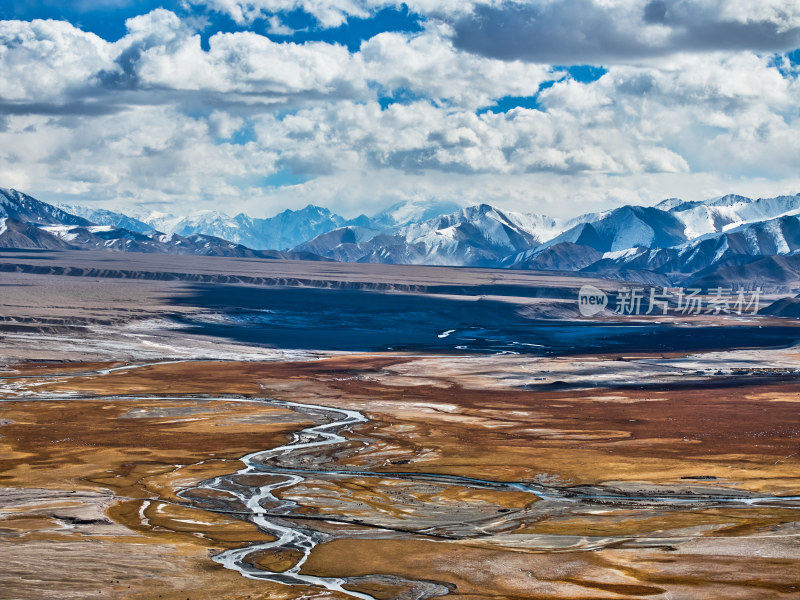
148,453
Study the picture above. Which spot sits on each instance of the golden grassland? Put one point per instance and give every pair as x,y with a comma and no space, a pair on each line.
136,453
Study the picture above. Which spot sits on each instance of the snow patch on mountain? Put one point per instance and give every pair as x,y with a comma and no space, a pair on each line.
626,227
284,230
476,235
412,211
627,253
19,206
729,212
102,216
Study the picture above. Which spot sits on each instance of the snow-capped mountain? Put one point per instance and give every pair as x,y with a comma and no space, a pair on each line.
720,214
292,227
18,234
19,206
476,236
206,222
626,227
674,237
284,230
674,241
630,237
106,237
411,211
27,223
589,236
479,234
740,245
101,216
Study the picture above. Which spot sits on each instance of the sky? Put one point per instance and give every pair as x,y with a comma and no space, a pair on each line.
549,106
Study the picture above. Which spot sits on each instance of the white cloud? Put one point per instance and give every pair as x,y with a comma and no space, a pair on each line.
278,27
160,52
785,14
619,31
684,123
44,60
361,158
224,125
329,13
722,113
145,154
429,66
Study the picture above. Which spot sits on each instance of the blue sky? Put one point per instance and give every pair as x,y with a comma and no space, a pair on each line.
107,20
548,106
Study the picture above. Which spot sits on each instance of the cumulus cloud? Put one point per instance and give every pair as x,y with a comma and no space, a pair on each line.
421,137
50,61
161,52
45,60
146,154
604,31
52,64
568,31
427,65
329,13
196,126
277,27
223,125
359,157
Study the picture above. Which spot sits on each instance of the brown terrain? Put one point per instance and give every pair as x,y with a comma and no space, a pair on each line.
586,475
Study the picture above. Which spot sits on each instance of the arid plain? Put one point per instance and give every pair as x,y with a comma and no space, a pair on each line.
255,429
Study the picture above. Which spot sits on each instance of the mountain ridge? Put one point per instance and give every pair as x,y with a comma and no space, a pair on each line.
673,241
28,223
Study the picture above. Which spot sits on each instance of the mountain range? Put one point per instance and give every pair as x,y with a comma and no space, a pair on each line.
283,231
732,239
28,223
